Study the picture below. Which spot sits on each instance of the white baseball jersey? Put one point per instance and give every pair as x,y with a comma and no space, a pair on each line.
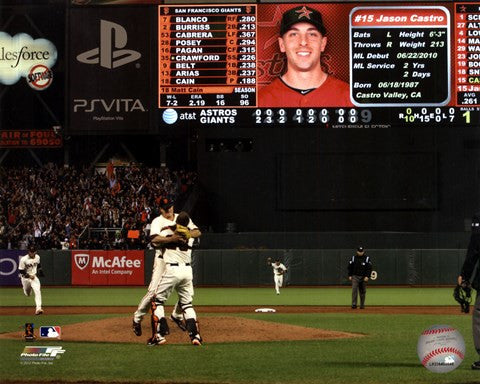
278,269
29,265
163,227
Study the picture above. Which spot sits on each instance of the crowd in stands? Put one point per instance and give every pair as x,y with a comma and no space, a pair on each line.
57,207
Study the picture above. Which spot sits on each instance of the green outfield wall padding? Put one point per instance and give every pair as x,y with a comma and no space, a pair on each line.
56,265
306,267
149,256
327,267
249,268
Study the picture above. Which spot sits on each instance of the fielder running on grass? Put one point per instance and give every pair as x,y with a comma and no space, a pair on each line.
278,270
29,268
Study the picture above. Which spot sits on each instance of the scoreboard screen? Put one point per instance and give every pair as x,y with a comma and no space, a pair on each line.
403,63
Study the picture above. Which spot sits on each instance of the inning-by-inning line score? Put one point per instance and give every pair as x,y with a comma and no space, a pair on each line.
407,64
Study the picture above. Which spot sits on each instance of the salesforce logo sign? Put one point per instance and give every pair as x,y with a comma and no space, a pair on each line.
20,53
170,116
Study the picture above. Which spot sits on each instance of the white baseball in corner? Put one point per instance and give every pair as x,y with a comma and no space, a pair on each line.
441,348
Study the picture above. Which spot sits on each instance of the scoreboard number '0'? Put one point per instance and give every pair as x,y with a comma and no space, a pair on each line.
405,64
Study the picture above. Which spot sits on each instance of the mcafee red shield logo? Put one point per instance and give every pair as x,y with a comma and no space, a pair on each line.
81,260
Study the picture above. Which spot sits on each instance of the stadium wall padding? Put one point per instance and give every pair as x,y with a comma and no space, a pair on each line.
60,263
306,267
326,266
149,255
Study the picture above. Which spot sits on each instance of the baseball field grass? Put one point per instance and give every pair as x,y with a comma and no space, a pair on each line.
126,296
385,354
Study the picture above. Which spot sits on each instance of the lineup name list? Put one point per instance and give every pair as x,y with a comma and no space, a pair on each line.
467,53
207,56
399,55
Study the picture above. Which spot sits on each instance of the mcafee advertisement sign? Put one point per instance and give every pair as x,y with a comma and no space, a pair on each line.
107,267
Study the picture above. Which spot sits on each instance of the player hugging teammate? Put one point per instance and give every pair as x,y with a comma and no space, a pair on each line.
172,235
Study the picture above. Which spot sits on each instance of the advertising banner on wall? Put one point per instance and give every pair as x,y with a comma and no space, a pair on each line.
32,77
9,260
109,72
107,267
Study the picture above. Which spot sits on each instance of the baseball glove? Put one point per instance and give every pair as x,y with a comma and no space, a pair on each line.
183,231
463,295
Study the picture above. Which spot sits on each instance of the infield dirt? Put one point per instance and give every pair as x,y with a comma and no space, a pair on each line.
214,329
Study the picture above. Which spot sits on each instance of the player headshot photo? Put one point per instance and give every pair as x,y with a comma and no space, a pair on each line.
304,82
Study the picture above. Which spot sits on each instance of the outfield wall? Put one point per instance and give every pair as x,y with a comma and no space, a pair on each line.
327,267
246,267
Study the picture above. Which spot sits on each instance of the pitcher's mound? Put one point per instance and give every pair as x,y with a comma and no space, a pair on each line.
213,330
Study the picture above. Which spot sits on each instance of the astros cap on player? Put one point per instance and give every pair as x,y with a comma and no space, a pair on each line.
302,14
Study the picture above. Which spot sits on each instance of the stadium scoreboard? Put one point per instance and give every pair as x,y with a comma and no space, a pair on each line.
412,44
208,56
405,63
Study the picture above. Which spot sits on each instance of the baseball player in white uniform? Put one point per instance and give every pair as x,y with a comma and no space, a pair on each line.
278,270
143,307
29,269
175,235
157,272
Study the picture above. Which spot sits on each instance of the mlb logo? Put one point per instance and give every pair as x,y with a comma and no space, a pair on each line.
51,332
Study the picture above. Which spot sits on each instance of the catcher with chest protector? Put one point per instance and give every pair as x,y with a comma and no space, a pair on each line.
471,263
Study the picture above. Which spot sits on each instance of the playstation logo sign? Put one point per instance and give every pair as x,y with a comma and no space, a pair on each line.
110,54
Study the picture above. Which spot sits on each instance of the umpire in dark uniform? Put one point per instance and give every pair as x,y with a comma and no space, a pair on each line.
359,270
472,259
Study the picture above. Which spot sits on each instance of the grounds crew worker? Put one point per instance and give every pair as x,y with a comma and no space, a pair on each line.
472,259
359,270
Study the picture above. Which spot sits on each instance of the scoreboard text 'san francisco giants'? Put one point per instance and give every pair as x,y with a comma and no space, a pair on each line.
207,56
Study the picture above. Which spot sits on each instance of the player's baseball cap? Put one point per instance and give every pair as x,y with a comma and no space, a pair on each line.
302,14
32,248
360,249
166,203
